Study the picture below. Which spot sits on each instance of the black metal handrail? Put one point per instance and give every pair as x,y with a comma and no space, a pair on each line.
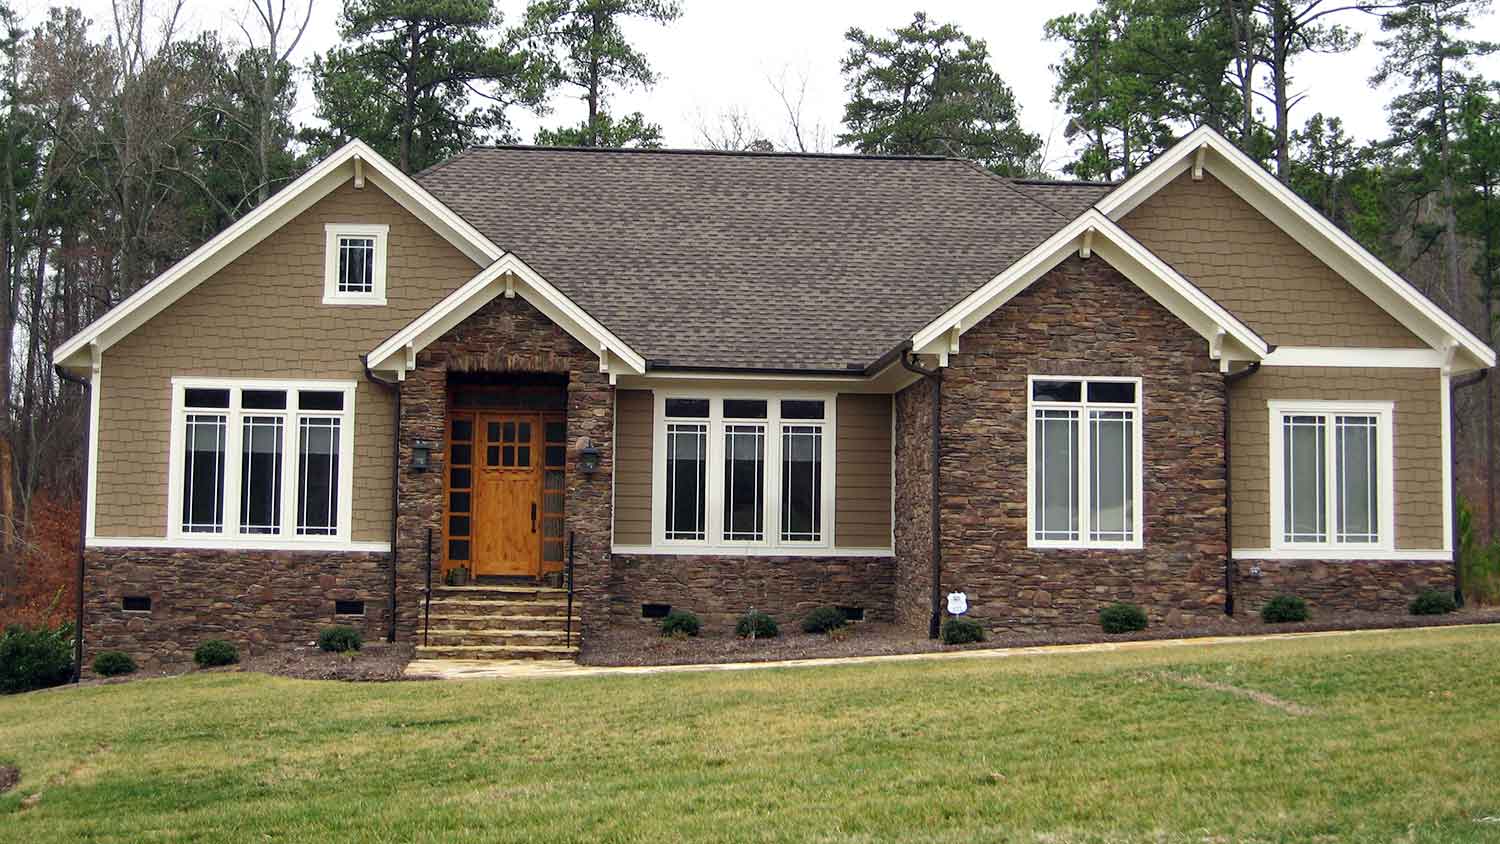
568,622
427,611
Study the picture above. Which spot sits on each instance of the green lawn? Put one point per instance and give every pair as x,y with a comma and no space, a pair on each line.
1375,737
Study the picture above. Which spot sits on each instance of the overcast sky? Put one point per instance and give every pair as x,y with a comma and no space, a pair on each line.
719,55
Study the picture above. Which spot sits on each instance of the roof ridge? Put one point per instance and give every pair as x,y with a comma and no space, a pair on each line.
1067,183
1010,185
837,156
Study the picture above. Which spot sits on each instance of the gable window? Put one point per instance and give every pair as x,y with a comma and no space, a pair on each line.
1084,462
258,459
1331,474
355,270
743,471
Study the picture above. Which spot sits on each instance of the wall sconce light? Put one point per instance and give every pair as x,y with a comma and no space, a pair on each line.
588,456
421,455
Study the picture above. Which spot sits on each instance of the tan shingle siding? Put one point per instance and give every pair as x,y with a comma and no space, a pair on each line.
862,470
634,412
1257,271
262,317
1419,444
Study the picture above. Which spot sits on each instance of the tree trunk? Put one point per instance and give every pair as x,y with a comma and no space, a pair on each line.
409,103
1281,36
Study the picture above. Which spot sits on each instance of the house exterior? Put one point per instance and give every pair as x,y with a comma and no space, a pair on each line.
630,380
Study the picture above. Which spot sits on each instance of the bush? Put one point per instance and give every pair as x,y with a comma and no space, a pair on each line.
824,620
1433,602
1122,618
756,625
35,657
215,652
1284,608
680,623
113,664
961,631
339,639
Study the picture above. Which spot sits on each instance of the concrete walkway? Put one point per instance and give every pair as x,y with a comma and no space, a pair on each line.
464,669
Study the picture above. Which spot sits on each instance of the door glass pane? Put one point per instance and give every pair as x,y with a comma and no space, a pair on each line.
1354,460
508,432
744,483
1113,475
523,432
1304,512
687,465
260,474
801,482
523,455
1056,475
318,472
492,431
203,473
463,429
556,432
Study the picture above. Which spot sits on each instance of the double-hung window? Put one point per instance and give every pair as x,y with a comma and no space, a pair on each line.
744,471
1331,475
354,271
1084,462
257,461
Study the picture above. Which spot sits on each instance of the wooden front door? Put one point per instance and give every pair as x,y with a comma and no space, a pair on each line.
508,495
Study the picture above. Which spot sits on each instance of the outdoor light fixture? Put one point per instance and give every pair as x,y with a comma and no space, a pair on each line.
421,455
588,456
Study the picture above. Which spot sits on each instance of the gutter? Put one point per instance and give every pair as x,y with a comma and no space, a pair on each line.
1454,386
1229,569
395,388
83,520
935,378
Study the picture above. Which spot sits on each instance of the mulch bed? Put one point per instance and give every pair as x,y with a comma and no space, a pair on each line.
375,662
9,776
642,644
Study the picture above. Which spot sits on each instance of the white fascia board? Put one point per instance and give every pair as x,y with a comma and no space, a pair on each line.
1330,356
1326,241
478,291
1121,251
260,223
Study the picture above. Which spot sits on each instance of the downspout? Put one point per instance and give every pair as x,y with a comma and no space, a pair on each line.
395,388
1229,381
935,378
83,521
1454,387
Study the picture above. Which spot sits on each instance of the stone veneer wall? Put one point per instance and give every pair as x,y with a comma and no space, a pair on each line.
913,493
1339,585
720,588
255,599
1083,318
506,336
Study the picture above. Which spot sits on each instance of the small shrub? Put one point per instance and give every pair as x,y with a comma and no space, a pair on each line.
824,620
680,623
113,664
1122,618
35,657
961,631
215,652
1433,602
339,639
1284,608
756,625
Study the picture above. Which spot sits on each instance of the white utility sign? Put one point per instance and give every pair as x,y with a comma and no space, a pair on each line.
958,603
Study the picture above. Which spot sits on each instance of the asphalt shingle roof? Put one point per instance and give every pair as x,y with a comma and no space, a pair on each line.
760,261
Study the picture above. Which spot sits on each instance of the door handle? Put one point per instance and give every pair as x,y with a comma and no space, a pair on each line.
533,517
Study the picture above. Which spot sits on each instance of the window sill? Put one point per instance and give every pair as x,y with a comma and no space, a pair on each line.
1085,546
1340,552
732,551
224,543
353,300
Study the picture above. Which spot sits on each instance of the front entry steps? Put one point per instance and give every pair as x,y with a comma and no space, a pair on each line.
494,622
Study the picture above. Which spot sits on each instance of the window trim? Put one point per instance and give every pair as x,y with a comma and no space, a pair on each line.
287,537
1385,439
714,543
332,234
1085,450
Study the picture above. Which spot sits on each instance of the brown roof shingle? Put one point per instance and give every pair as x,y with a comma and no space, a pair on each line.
760,261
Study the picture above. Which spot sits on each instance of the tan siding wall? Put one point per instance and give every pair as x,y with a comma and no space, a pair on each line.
1257,271
262,317
862,470
634,412
1419,444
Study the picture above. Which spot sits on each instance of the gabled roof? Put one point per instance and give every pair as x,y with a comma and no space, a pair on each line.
1205,149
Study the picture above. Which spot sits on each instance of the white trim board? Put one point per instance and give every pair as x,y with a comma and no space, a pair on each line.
260,223
1092,233
1281,205
743,551
1346,554
1348,357
237,544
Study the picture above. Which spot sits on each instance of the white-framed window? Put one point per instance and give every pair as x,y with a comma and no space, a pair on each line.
1332,475
743,471
256,460
1083,462
354,270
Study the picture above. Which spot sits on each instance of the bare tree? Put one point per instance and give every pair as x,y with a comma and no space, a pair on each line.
802,134
269,57
733,129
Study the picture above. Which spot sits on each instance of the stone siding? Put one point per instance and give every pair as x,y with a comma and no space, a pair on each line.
1083,318
720,588
1334,586
913,493
255,599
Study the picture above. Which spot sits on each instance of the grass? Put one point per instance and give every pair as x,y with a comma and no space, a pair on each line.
1372,737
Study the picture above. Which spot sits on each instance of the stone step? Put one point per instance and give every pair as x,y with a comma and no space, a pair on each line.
496,652
449,637
480,606
518,621
509,593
